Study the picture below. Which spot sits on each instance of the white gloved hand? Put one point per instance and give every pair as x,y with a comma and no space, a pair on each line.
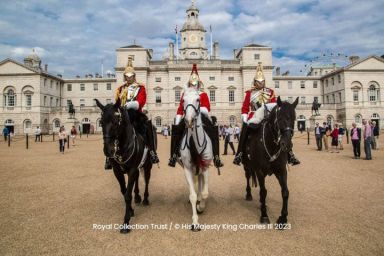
178,119
132,105
244,117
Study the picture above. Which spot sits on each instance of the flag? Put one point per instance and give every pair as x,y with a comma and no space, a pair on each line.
210,28
176,29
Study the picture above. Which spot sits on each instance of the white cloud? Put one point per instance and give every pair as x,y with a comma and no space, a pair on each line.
74,36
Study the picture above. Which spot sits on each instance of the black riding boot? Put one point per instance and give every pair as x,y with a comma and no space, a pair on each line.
213,133
151,143
107,165
176,136
292,158
240,148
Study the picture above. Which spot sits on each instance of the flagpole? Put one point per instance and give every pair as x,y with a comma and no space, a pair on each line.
210,29
177,45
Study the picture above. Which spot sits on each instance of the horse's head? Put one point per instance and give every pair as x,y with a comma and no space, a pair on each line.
284,116
191,106
111,121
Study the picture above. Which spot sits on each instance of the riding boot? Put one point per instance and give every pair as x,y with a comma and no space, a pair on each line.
240,148
213,133
107,165
151,143
176,136
292,158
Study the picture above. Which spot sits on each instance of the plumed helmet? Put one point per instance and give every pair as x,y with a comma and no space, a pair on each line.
129,70
259,73
194,79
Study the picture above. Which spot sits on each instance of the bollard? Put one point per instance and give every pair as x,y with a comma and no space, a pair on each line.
41,138
9,140
53,135
26,140
87,134
68,141
308,135
346,132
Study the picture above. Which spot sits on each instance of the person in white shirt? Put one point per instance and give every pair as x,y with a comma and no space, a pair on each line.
37,134
229,135
237,133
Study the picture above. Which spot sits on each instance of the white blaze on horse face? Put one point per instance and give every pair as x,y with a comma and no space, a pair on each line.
191,106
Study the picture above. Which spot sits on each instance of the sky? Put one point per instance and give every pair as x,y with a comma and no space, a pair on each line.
75,36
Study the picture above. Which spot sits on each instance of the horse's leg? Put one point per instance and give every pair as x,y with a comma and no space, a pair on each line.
263,194
137,192
147,176
203,182
192,198
132,177
121,179
282,178
248,196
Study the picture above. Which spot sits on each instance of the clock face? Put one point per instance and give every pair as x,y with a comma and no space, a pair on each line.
192,38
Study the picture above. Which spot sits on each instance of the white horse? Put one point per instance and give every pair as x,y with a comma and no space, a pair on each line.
196,155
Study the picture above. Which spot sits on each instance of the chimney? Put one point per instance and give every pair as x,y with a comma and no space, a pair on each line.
277,71
77,76
58,74
354,59
46,68
215,50
334,66
171,51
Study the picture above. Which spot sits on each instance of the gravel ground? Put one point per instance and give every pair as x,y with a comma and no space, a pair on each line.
50,203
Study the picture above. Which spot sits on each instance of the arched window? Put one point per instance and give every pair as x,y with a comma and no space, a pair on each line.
358,119
27,124
158,121
56,123
232,120
372,93
10,98
375,116
8,122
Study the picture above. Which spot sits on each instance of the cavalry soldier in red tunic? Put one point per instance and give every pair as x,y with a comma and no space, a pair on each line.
132,96
258,100
209,124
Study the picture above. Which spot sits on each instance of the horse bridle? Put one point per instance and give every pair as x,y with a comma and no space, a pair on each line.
279,134
116,143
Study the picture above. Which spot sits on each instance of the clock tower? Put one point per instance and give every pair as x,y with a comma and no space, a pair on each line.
193,36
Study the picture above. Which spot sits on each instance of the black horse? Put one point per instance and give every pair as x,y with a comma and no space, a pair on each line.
267,149
125,148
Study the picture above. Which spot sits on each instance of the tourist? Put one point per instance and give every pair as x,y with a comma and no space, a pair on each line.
73,135
367,135
37,134
335,138
340,138
237,133
356,138
326,134
5,133
375,135
319,136
62,139
228,139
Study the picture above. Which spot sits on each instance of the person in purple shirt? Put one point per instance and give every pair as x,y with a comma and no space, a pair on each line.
367,135
356,138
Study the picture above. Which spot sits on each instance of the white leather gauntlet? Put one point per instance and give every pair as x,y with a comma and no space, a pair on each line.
132,105
178,119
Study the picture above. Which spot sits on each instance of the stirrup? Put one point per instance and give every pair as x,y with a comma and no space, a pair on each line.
172,161
293,160
154,157
217,162
238,159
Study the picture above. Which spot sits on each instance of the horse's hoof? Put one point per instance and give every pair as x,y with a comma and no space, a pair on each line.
199,211
145,202
125,230
195,228
264,220
248,197
282,220
137,199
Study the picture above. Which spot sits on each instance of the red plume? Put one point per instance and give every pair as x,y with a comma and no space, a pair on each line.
194,69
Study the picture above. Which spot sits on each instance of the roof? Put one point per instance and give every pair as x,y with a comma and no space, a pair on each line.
255,45
133,46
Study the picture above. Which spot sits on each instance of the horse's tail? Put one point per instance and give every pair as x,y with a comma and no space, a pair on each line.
195,157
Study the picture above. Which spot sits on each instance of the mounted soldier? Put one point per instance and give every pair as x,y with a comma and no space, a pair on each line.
258,102
132,96
209,125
